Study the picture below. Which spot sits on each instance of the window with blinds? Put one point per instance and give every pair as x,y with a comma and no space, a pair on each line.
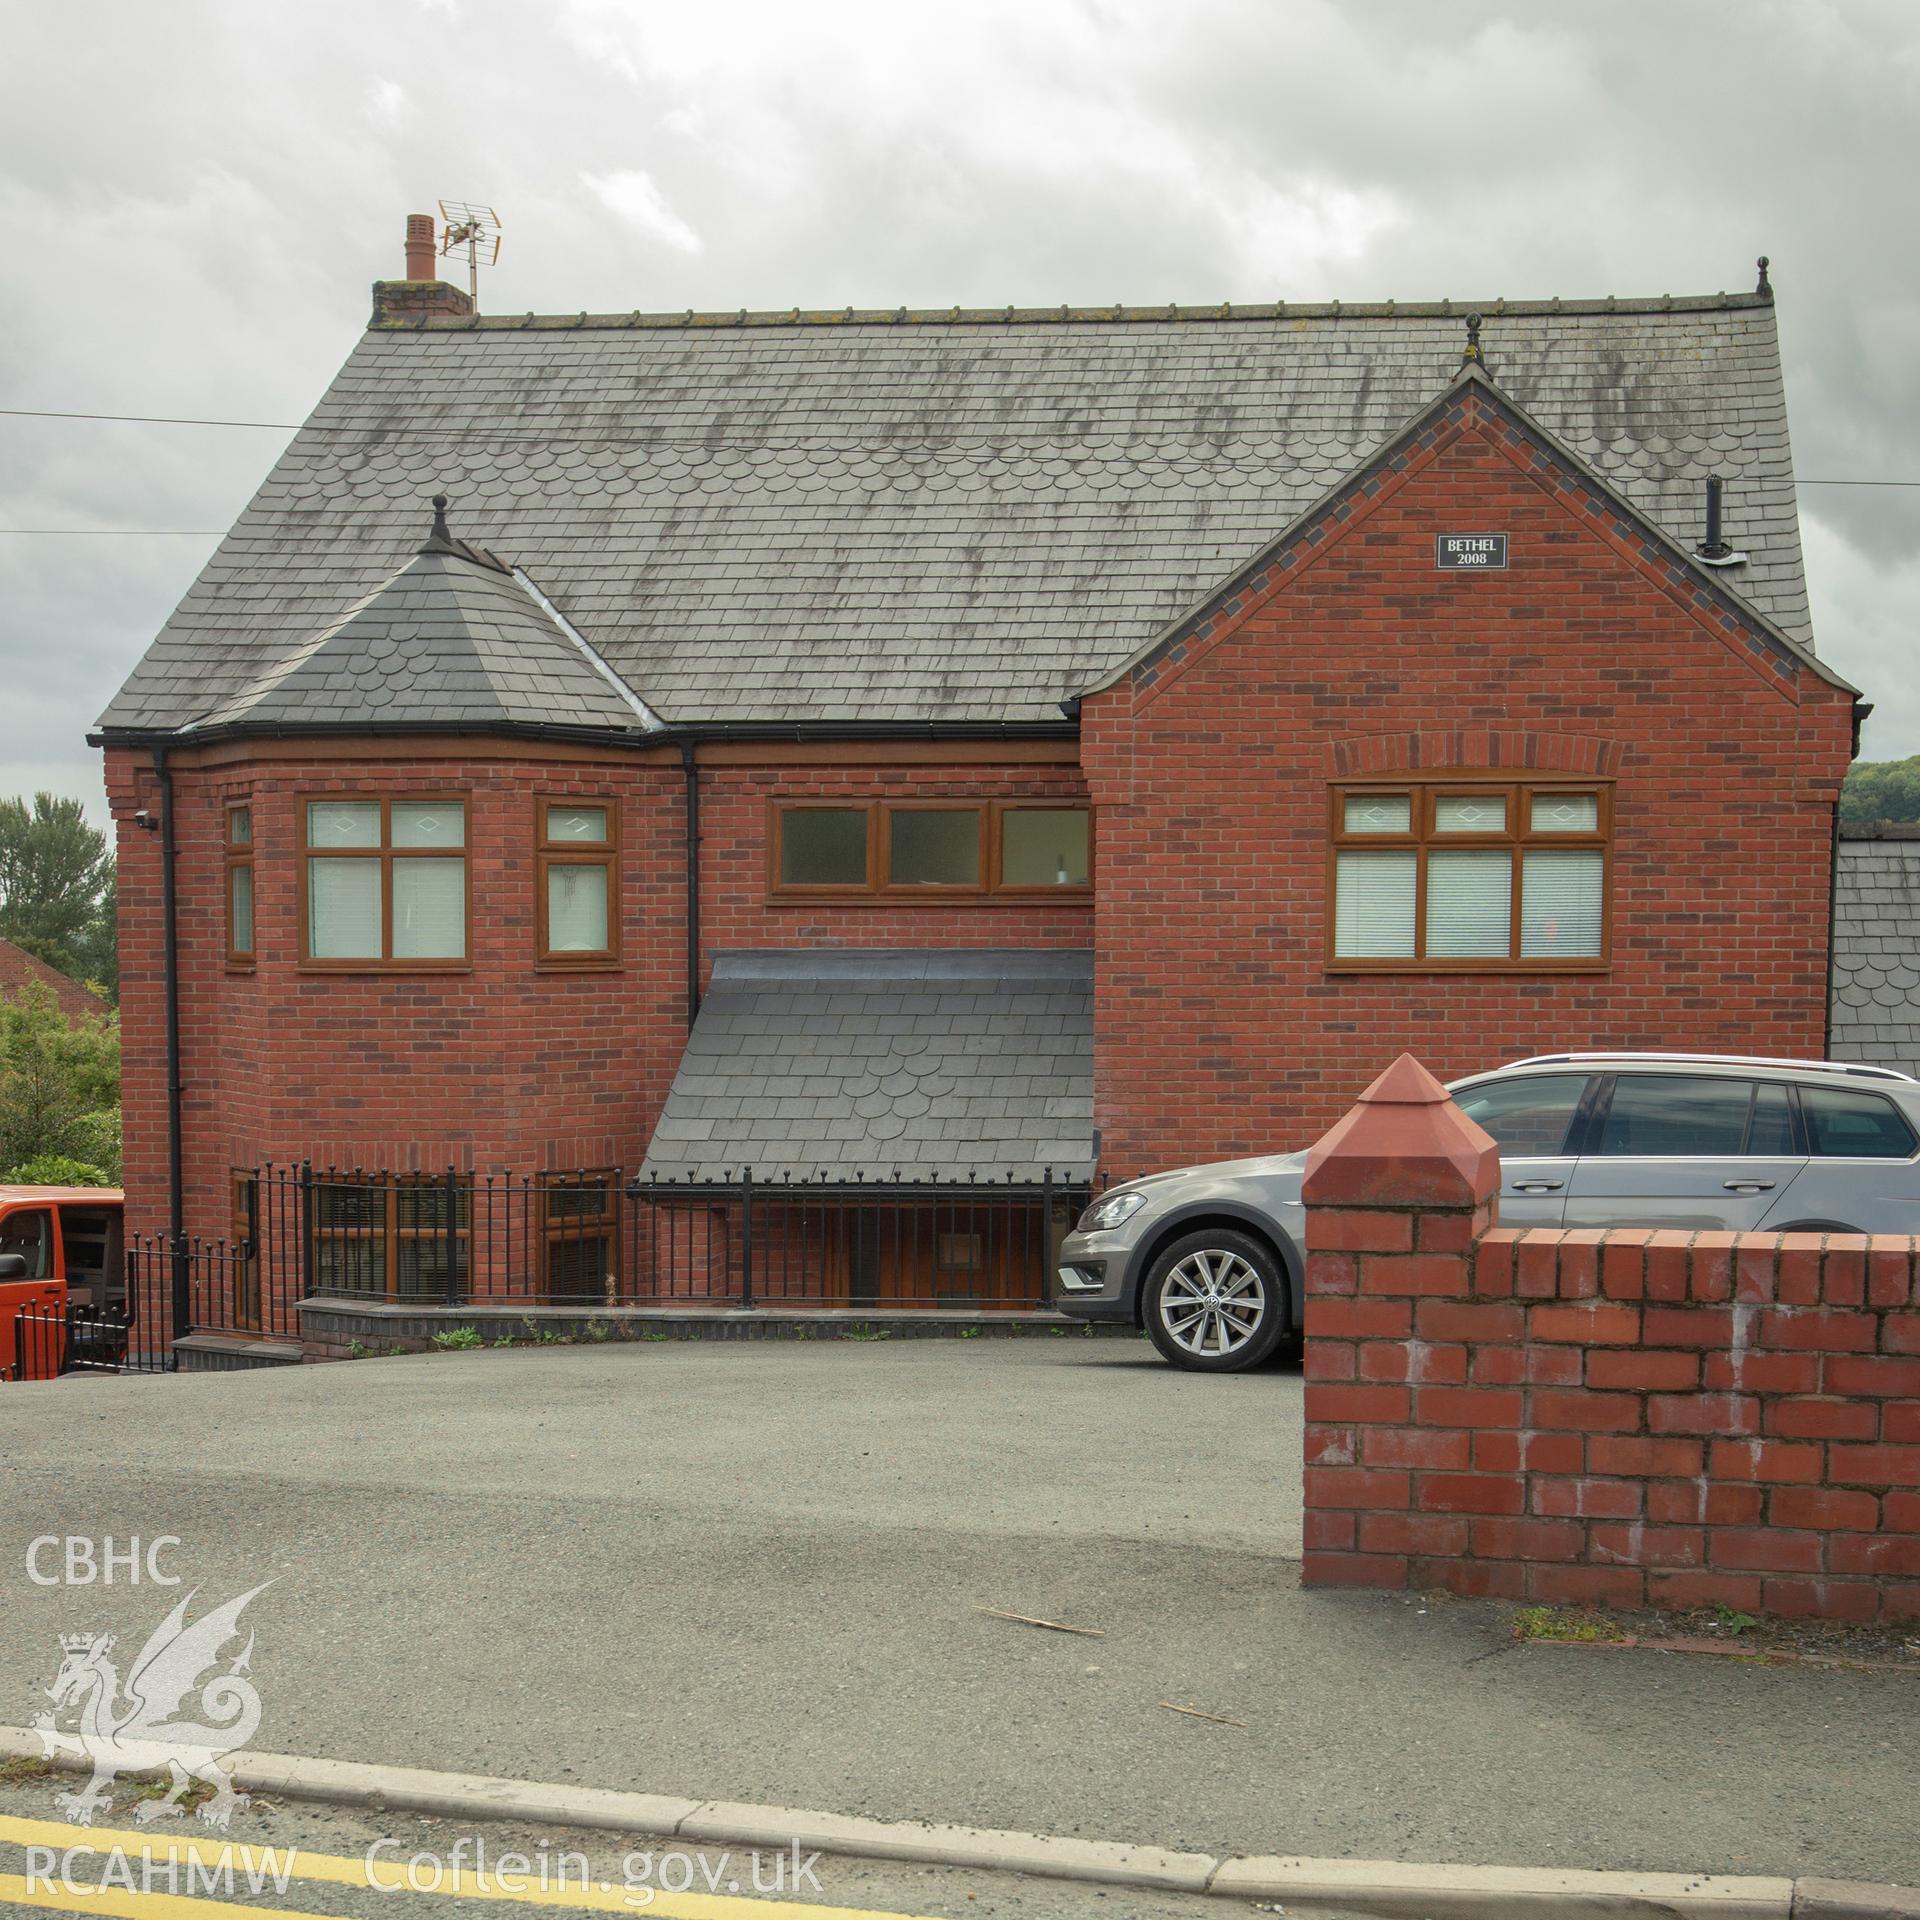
386,882
239,852
576,856
921,849
1469,874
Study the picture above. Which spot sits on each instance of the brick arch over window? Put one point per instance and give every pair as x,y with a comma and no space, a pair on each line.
1490,749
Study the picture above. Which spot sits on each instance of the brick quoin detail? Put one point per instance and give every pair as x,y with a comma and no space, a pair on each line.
1627,1418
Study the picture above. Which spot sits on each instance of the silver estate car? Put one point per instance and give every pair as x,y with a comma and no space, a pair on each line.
1209,1259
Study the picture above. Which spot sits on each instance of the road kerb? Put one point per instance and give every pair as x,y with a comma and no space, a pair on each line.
1385,1889
1057,1856
1397,1890
1851,1900
456,1795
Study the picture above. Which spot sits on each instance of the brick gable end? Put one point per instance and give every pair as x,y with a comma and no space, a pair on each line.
1219,1027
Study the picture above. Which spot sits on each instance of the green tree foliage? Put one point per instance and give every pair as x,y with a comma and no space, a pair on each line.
1881,790
55,1170
57,888
59,1084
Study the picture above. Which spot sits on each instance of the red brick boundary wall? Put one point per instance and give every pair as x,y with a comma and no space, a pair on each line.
1626,1417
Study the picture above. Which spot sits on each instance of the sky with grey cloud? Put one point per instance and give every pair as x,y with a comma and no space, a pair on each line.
195,196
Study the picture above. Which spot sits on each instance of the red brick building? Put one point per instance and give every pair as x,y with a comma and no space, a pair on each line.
21,970
918,747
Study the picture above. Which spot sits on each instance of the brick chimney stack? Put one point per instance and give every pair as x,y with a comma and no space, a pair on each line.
422,295
420,247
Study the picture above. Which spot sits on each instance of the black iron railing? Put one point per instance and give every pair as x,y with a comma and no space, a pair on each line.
595,1237
128,1329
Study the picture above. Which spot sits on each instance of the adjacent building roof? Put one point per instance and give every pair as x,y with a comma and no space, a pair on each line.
20,970
843,1065
962,517
1875,1008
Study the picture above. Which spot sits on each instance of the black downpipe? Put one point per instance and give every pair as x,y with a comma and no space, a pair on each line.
170,938
692,766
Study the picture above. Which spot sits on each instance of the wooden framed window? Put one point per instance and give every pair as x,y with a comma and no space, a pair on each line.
1042,848
239,856
576,881
243,1245
929,849
385,882
579,1235
395,1236
1470,873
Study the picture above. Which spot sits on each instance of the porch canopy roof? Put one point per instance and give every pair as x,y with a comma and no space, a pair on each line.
885,1065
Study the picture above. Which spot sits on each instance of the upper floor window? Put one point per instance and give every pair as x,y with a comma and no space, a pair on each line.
1469,874
577,903
931,848
239,854
386,881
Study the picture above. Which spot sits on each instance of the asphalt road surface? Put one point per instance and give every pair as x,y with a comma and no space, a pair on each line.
752,1571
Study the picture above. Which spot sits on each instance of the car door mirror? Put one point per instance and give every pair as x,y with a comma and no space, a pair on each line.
13,1266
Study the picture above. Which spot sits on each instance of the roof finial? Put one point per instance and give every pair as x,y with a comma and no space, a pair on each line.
439,536
1471,356
1765,288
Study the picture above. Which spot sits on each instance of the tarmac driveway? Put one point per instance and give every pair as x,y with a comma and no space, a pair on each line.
752,1570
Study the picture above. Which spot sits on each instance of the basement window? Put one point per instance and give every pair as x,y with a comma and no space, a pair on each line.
391,1236
1467,875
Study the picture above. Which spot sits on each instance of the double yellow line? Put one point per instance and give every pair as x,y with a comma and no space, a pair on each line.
333,1869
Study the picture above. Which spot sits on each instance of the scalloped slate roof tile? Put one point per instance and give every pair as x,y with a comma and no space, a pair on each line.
931,517
919,1065
1876,954
449,639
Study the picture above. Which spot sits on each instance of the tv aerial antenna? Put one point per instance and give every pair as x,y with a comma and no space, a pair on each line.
476,230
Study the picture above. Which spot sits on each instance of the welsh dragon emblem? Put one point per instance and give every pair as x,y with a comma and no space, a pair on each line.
164,1714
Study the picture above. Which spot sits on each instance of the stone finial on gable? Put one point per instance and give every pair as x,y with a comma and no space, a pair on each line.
1470,354
1403,1144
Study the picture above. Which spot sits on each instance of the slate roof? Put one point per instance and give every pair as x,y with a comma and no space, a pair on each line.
1876,951
452,639
963,517
837,1064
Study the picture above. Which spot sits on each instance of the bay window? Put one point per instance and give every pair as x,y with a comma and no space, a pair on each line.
577,899
1470,874
386,881
239,854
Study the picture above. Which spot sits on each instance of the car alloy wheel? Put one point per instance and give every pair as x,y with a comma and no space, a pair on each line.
1214,1303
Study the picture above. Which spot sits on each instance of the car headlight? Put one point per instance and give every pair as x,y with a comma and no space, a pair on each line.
1106,1214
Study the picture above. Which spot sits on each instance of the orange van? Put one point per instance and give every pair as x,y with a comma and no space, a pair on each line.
62,1252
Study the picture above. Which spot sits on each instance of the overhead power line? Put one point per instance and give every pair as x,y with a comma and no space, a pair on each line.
422,429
